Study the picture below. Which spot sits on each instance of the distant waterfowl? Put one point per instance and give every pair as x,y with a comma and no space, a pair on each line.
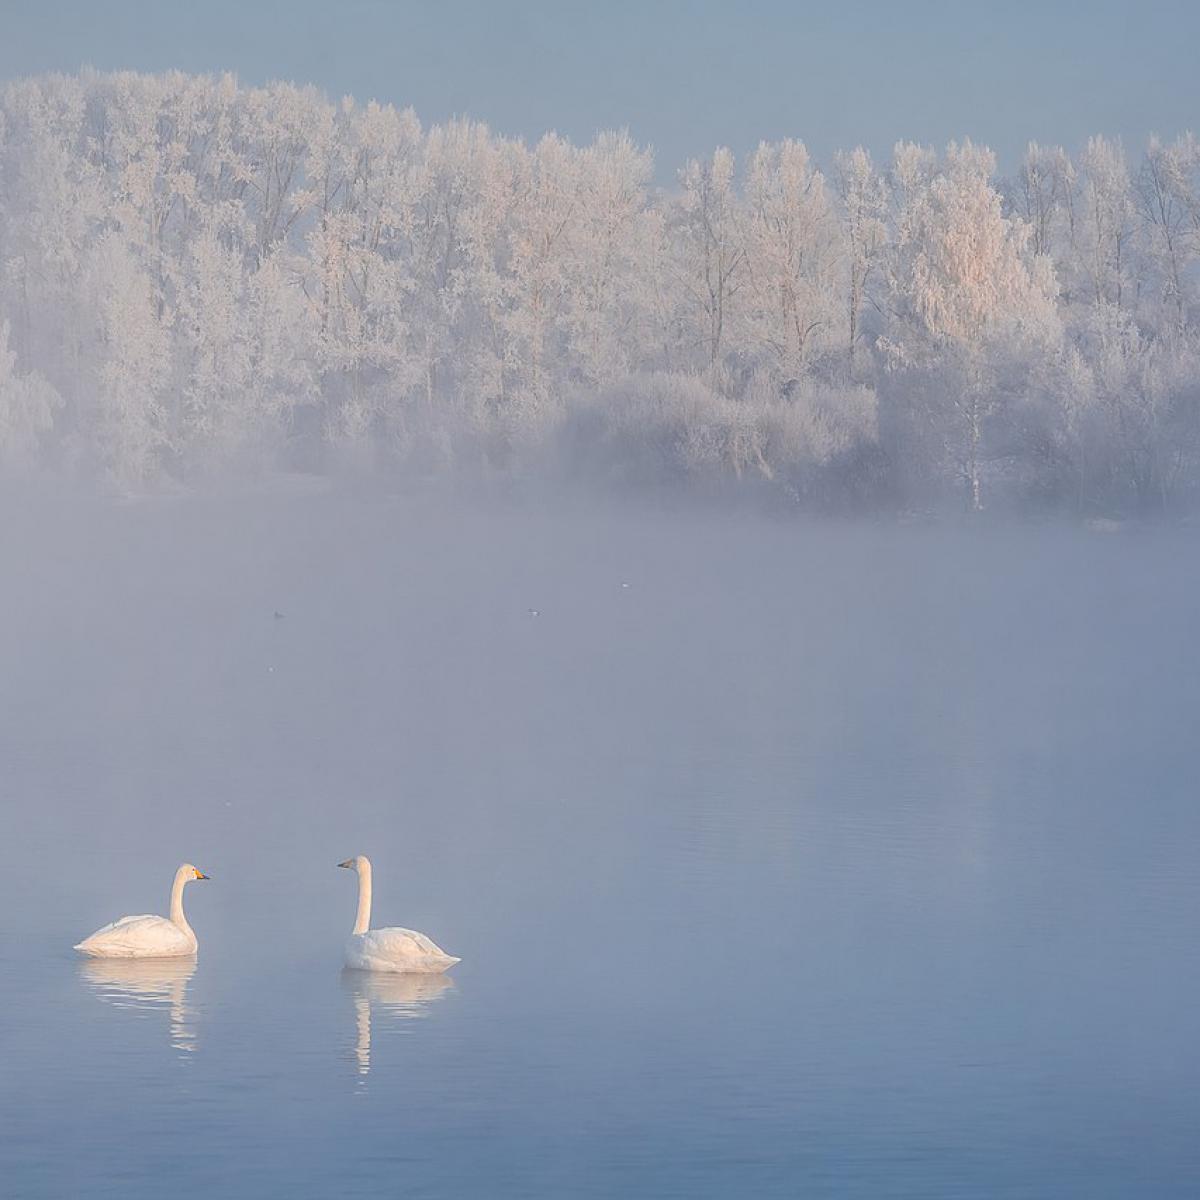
534,612
148,936
393,949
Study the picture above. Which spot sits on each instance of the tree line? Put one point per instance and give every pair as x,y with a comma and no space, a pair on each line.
197,276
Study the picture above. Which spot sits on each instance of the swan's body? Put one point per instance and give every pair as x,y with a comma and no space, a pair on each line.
147,936
394,949
144,936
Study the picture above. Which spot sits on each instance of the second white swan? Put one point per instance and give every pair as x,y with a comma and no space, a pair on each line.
394,949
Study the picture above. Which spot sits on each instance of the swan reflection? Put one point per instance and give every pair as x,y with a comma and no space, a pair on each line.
147,984
397,997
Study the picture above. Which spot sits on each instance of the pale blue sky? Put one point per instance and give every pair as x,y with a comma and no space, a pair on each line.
682,76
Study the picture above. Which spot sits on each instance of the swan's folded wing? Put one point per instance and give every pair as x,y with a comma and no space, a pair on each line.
143,936
428,945
395,949
397,941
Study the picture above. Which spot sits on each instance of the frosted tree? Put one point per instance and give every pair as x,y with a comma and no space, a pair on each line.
1147,392
27,408
909,180
863,197
1106,220
1045,197
968,297
1168,203
613,250
271,138
135,421
461,199
215,351
365,179
279,329
53,202
710,253
543,225
792,259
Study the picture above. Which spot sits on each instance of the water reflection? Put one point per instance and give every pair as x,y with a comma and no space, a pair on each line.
398,997
148,985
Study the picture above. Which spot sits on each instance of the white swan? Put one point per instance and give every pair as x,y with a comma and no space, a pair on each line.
148,936
392,949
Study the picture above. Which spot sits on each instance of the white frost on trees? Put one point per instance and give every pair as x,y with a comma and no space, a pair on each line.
27,407
195,274
968,299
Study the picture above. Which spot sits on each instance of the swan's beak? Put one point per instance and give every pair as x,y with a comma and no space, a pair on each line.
348,863
201,875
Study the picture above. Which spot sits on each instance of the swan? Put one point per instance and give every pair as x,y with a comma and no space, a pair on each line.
401,950
148,936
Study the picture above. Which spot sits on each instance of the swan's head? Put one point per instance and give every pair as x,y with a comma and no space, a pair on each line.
189,872
357,863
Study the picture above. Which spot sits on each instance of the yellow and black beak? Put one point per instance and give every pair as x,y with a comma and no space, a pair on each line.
201,875
348,863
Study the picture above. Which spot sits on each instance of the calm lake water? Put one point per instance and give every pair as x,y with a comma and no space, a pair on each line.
823,860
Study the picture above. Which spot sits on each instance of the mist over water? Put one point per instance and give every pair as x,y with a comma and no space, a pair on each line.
783,858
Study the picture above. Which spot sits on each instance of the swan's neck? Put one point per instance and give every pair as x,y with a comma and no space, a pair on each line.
177,917
362,921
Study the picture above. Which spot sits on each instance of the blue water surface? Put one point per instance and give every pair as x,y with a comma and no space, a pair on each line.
784,858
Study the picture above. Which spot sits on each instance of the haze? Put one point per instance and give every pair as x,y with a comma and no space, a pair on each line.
730,562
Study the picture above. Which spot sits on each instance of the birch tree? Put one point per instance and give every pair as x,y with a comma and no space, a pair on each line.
967,291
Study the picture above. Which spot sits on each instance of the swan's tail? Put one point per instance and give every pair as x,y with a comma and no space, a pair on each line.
88,948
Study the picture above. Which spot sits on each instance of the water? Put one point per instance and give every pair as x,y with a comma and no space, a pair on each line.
822,860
